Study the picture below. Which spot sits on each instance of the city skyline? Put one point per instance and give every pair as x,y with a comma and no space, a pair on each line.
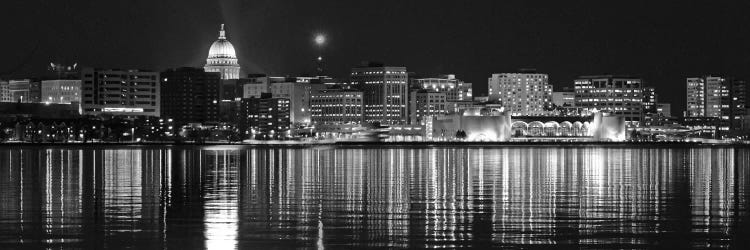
657,41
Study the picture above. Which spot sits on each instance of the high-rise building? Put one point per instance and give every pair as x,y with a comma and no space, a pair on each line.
523,94
454,89
120,92
385,92
733,105
190,95
616,95
222,58
334,107
424,103
564,98
718,97
265,117
61,91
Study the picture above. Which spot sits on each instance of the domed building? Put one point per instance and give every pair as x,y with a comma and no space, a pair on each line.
222,58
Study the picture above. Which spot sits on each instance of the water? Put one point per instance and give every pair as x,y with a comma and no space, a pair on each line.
375,197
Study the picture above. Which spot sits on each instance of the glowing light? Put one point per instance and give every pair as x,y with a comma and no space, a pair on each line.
320,39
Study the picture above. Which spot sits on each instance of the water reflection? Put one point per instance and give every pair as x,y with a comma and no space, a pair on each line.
376,197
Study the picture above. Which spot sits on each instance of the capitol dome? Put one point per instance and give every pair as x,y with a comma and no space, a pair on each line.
222,48
222,58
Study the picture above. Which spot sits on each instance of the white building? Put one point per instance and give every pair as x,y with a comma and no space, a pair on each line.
61,91
522,94
120,92
222,58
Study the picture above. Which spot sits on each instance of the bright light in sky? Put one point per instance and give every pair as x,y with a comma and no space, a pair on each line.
320,39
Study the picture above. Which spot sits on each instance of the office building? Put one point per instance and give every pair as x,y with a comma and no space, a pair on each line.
5,92
564,98
61,91
222,58
426,103
455,89
718,97
522,94
617,95
664,109
190,95
20,91
649,100
298,94
120,92
336,107
385,92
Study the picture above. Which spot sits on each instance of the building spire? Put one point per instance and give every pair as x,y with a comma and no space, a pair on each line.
222,33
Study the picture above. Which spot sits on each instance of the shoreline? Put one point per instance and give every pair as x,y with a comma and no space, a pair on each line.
385,144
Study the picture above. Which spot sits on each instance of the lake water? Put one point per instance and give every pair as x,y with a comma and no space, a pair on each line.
224,197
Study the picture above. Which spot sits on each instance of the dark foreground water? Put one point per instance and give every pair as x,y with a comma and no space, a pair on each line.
332,197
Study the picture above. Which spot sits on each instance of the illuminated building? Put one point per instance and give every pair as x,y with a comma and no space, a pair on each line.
255,85
336,110
298,94
23,91
455,89
191,95
384,91
649,101
664,109
617,95
222,58
716,97
265,117
61,91
423,103
5,92
564,98
120,92
524,94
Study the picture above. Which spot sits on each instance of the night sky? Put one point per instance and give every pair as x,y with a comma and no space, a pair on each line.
662,41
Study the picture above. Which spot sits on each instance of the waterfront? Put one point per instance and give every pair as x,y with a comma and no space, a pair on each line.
352,196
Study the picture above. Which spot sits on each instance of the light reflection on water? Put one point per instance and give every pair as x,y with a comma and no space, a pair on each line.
224,198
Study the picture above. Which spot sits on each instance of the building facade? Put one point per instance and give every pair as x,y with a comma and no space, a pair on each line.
718,97
617,95
425,103
265,117
5,92
222,58
191,95
298,94
564,98
61,91
455,89
120,92
385,93
337,107
522,94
